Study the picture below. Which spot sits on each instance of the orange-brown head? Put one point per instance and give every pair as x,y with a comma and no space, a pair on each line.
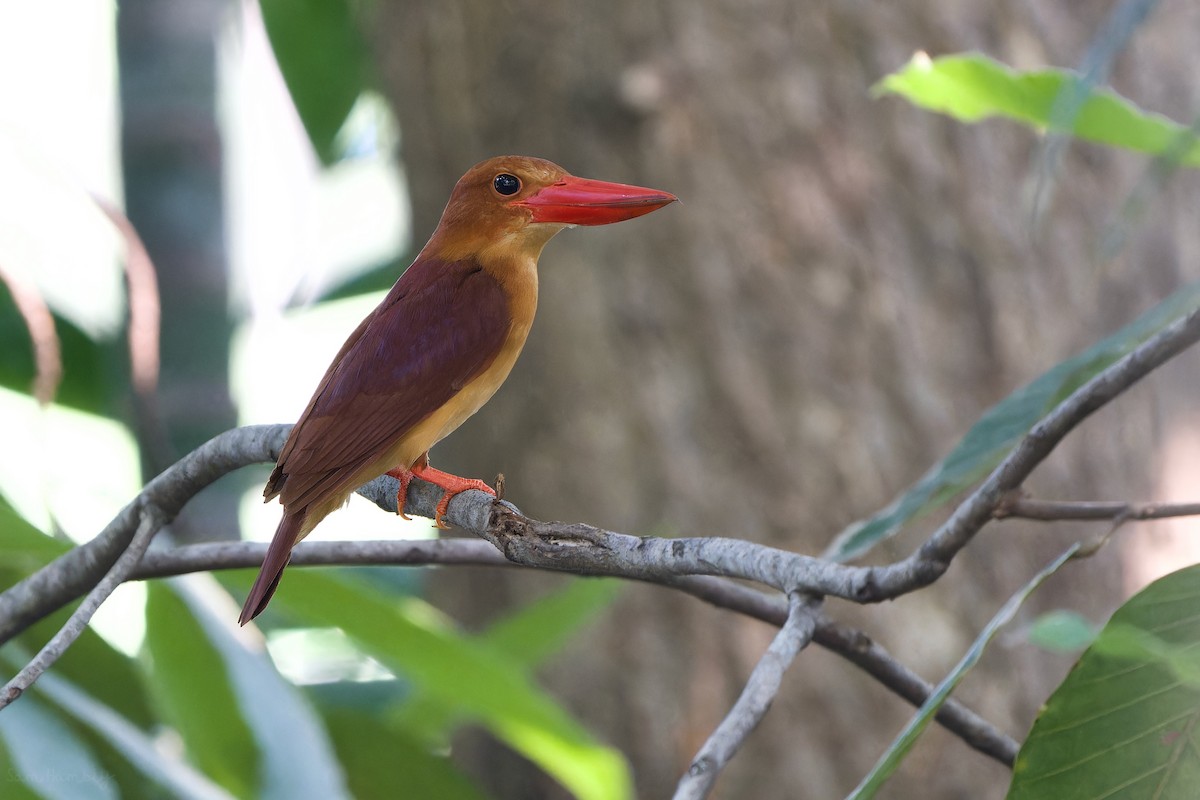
510,206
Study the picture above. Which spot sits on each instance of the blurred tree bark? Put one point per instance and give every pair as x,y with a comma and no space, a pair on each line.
847,285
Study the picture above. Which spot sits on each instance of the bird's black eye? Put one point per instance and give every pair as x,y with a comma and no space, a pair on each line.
507,184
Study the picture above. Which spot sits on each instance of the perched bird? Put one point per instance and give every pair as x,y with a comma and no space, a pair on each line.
437,347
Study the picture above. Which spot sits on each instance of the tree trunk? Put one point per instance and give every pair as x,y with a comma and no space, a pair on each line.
171,154
846,286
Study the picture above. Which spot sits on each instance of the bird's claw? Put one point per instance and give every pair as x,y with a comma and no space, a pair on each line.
451,485
405,477
461,485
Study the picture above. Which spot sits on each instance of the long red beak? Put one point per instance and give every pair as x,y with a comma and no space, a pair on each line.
581,201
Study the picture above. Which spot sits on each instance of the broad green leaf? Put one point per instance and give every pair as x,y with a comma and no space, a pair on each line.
48,758
97,668
296,758
1062,631
411,640
192,686
132,782
23,548
532,634
973,87
324,63
1126,721
137,747
16,789
528,637
1131,643
1003,425
378,758
899,748
91,662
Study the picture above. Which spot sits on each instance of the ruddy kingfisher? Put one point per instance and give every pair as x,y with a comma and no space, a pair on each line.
437,347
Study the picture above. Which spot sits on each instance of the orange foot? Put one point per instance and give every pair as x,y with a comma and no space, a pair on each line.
452,484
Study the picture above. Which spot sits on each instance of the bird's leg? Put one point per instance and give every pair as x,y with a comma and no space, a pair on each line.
405,477
451,484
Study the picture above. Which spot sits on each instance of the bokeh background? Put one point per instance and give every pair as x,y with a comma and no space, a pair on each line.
847,285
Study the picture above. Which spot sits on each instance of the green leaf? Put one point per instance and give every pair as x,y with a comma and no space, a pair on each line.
97,668
324,63
1003,425
411,639
899,748
378,758
532,634
527,637
1126,721
973,87
91,662
15,787
191,684
1062,631
47,758
25,549
177,777
296,757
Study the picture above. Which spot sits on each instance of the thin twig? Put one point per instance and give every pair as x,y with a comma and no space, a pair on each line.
145,311
211,556
849,643
70,576
890,760
753,702
862,651
145,322
933,557
39,321
858,648
1061,511
151,522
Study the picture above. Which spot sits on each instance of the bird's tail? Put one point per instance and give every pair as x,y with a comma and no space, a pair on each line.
278,554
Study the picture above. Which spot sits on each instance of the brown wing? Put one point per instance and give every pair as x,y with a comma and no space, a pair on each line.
442,324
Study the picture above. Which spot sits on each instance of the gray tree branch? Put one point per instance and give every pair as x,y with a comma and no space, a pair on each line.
150,522
78,571
849,643
756,697
1091,511
933,557
689,564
